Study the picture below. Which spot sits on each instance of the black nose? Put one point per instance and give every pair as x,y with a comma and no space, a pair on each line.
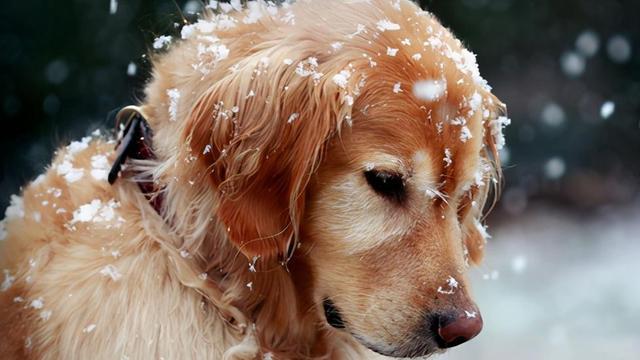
455,328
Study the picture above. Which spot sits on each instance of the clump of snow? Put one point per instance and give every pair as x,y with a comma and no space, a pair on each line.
429,90
397,88
37,303
184,254
497,126
607,109
386,25
70,174
392,51
342,78
470,314
416,56
293,117
15,210
100,167
8,280
309,68
588,43
174,98
619,49
465,134
96,211
554,168
250,285
78,146
161,42
112,272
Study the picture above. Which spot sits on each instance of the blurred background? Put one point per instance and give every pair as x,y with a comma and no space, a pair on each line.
561,276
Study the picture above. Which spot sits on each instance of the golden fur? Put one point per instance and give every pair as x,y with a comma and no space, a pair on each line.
265,212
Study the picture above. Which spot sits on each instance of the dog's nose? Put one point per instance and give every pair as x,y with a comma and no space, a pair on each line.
456,328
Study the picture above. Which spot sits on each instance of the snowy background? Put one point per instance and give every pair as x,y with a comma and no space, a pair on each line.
561,276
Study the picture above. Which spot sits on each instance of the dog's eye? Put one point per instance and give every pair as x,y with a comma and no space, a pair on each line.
386,184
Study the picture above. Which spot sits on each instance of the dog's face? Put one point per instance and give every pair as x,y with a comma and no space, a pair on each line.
392,221
376,156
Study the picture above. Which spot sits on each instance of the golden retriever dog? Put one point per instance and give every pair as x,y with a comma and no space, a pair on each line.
302,181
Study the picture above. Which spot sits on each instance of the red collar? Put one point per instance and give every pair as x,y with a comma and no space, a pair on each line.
135,142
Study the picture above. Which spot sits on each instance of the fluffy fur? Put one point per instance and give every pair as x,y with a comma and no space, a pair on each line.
266,211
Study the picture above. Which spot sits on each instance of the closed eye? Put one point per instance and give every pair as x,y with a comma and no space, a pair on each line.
387,184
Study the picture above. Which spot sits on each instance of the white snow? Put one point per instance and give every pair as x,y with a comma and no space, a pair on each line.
293,117
386,25
15,210
37,303
70,174
174,98
112,272
45,314
184,254
447,157
161,42
452,284
96,211
607,109
89,328
100,167
341,79
8,280
359,30
497,126
392,51
429,90
416,56
465,134
397,88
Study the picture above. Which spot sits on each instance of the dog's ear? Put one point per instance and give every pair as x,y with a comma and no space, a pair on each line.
260,132
487,195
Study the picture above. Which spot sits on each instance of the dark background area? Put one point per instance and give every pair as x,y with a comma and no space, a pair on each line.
65,67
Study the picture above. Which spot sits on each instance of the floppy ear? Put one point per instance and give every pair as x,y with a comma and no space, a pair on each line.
476,234
260,132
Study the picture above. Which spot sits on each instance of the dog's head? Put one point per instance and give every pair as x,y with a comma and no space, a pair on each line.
363,141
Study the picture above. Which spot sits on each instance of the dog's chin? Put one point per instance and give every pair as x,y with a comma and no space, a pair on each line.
414,350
